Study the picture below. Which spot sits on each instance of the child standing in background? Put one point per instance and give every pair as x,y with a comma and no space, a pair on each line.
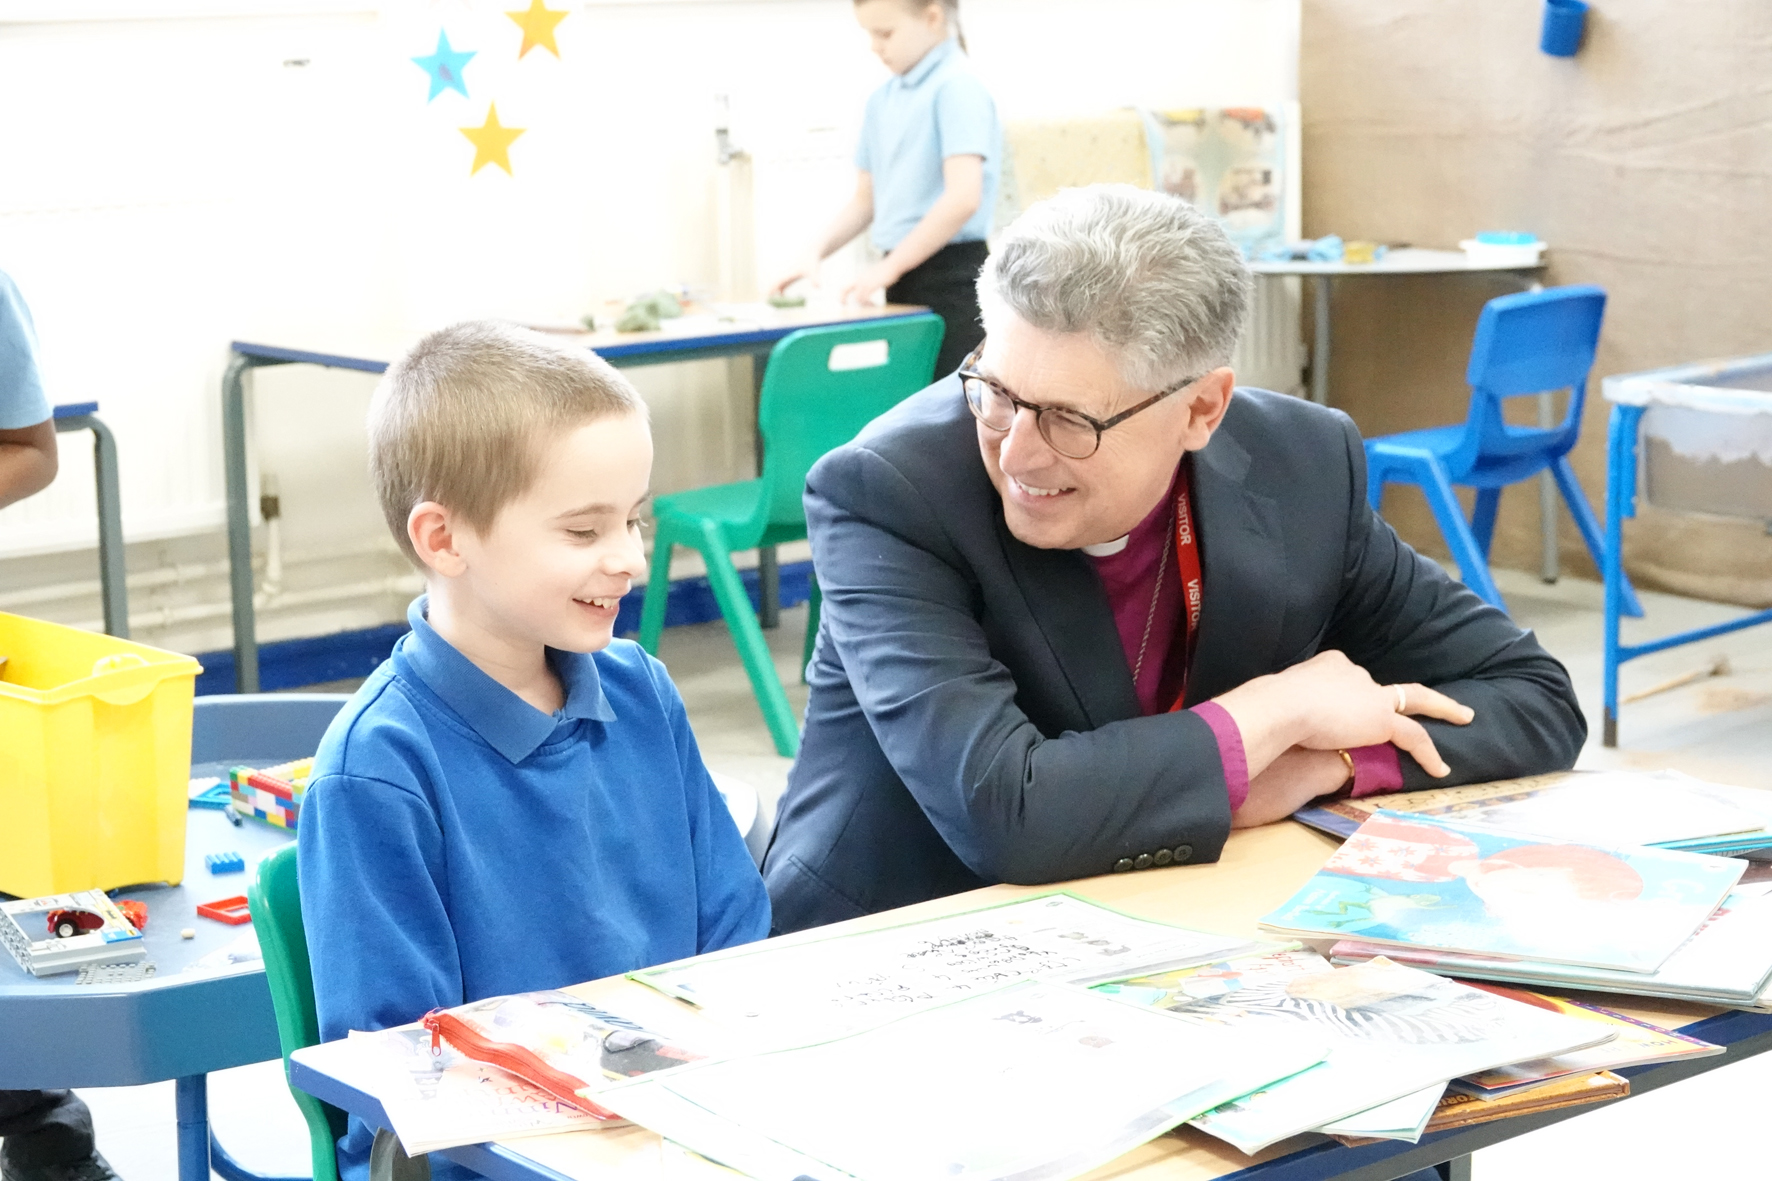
929,156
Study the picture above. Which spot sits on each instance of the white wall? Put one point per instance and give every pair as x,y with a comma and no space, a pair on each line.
175,182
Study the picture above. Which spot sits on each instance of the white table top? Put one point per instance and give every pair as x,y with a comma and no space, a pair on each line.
1404,260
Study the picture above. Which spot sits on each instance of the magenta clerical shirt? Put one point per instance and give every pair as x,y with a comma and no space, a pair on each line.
1128,572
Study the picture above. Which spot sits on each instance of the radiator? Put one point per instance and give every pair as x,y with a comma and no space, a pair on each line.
1271,353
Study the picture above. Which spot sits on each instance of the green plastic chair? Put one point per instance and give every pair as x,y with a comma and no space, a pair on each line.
821,387
275,901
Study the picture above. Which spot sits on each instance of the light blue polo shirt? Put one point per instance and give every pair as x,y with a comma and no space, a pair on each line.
22,402
936,109
457,843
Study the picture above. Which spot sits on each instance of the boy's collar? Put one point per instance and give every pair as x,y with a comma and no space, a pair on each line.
510,725
926,64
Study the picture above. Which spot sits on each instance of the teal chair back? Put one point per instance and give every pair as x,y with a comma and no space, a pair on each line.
821,387
275,900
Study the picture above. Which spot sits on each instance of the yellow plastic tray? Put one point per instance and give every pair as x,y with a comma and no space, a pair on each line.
95,759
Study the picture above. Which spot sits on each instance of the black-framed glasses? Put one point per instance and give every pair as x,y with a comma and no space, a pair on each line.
1071,433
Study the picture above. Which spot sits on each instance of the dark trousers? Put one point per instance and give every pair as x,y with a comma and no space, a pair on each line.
44,1127
947,284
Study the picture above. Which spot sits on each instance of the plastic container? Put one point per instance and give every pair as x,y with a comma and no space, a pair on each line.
1706,435
1564,22
95,759
1503,248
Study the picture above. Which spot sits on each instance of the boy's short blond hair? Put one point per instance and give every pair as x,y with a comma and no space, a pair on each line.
460,419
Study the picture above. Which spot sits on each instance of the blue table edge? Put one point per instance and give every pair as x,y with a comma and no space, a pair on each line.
491,1160
1727,1029
668,344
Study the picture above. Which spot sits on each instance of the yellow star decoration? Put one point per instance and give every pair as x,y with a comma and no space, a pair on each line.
492,142
537,22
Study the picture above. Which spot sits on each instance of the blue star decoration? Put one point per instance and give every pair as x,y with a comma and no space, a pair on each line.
444,67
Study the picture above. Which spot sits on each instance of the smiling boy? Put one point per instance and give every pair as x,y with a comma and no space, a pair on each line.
513,801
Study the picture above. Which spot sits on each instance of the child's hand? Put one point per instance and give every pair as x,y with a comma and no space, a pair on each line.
806,268
870,283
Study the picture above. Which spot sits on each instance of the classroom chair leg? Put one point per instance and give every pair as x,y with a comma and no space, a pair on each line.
658,593
1430,473
1589,528
1483,519
753,649
814,603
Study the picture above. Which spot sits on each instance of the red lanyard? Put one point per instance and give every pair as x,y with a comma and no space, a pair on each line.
1187,558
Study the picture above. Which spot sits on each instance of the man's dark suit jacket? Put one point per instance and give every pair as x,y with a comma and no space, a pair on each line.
972,718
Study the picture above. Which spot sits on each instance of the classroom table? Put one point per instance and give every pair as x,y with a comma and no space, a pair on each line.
697,337
113,587
175,1024
1411,260
1259,870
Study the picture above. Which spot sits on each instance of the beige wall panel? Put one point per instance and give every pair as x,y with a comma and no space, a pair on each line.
1646,162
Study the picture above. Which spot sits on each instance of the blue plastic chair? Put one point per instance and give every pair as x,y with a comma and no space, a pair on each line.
1532,343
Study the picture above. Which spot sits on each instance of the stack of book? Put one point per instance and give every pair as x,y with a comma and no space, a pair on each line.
1665,809
1467,900
1403,1046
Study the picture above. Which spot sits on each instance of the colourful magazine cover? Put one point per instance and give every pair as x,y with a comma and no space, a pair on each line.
1406,881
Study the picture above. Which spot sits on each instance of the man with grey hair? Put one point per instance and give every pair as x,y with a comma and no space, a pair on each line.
1086,609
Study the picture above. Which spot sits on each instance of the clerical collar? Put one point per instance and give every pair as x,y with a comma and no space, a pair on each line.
1107,549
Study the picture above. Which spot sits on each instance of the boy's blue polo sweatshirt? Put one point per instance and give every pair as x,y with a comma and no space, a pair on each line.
457,843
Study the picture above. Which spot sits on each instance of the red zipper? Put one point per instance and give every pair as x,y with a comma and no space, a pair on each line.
518,1060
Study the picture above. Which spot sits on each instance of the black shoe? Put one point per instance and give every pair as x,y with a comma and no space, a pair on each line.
93,1168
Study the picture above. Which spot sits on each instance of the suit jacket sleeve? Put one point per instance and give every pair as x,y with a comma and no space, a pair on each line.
904,613
1405,620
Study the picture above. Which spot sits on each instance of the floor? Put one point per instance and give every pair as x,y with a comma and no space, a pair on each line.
1718,726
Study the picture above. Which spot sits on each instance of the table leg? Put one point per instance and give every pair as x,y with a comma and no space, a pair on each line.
1457,1169
1621,484
113,576
191,1096
768,569
1320,350
1547,500
239,525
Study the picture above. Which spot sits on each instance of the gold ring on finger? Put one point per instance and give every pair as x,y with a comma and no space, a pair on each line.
1402,699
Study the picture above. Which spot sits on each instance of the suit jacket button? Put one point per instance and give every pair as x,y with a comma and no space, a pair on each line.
1142,861
1122,865
1163,857
1182,853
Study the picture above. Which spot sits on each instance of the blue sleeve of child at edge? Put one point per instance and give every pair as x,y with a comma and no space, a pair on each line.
379,936
732,905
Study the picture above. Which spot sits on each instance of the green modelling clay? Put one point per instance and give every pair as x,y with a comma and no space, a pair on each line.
664,305
637,318
644,312
787,301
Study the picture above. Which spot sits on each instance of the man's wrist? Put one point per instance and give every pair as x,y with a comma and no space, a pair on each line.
1269,716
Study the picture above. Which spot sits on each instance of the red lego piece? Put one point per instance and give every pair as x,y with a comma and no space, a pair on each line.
232,911
280,788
